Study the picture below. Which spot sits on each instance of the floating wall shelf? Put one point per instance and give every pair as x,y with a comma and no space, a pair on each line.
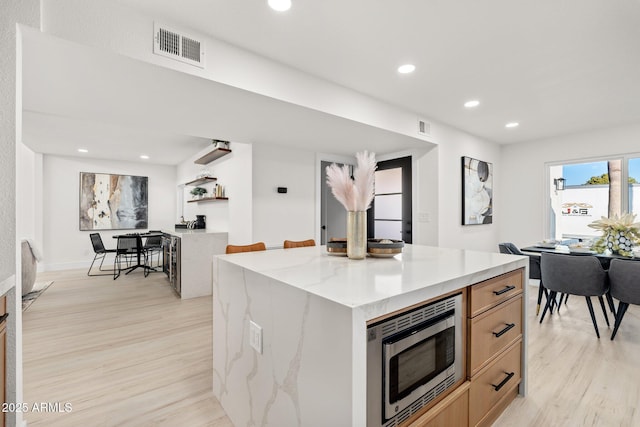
202,181
207,199
212,155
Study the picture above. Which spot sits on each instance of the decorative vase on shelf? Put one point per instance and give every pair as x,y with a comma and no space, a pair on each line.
356,234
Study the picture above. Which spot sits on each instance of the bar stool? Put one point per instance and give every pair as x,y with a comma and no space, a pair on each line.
234,249
288,244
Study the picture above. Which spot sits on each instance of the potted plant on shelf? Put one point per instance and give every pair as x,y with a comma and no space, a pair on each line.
198,192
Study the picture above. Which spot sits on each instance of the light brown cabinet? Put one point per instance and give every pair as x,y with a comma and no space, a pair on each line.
453,410
492,332
493,343
494,387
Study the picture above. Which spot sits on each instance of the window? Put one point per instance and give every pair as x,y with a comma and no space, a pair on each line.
634,186
592,189
388,204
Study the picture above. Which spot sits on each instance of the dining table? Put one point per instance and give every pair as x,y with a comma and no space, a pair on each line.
605,259
139,247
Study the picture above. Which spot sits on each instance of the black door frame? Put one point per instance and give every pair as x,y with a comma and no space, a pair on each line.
407,195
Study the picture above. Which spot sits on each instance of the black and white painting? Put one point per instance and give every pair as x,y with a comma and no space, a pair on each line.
477,191
113,202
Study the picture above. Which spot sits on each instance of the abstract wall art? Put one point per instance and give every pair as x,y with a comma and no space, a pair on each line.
113,202
477,191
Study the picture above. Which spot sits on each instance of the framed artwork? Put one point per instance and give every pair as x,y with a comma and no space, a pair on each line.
477,191
113,202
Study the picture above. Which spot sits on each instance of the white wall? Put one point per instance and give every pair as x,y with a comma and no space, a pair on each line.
454,144
25,12
126,31
291,216
64,245
522,205
29,196
233,171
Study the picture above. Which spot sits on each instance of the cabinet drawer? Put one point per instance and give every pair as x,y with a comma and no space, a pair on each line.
493,331
489,293
494,383
452,411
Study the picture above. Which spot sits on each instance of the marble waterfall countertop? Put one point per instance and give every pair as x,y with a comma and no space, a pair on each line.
425,270
305,314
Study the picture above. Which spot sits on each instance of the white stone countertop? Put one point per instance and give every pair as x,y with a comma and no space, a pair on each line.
360,283
180,232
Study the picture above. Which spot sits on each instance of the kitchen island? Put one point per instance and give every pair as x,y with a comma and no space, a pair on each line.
193,262
310,312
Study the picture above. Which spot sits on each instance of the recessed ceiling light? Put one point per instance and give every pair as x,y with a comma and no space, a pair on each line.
471,104
144,156
512,125
406,68
280,5
82,150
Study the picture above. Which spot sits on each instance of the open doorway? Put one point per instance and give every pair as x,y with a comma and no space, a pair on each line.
333,220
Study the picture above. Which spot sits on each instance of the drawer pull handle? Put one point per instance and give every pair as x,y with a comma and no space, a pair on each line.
3,317
505,290
504,381
504,331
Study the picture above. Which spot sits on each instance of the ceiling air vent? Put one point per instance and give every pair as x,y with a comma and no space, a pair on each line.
177,45
424,127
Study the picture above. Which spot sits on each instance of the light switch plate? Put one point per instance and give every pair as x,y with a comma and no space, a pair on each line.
255,336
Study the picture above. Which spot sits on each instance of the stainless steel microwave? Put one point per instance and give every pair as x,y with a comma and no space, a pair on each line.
412,358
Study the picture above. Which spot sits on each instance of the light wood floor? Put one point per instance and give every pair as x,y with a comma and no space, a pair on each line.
576,379
129,353
124,353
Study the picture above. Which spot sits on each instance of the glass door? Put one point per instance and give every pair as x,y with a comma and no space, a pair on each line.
390,213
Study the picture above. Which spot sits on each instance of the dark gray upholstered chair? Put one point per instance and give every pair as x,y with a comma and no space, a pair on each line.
100,252
575,275
534,268
624,280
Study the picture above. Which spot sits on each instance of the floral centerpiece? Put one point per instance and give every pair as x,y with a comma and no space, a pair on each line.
356,195
619,234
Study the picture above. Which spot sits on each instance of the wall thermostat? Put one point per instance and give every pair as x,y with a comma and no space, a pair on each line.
282,190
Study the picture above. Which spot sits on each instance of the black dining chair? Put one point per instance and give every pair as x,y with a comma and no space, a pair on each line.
534,268
127,251
99,252
624,280
152,246
575,275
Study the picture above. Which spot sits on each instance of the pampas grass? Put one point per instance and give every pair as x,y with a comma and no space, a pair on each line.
354,194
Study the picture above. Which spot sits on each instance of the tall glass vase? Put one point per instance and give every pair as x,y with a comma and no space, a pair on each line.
356,234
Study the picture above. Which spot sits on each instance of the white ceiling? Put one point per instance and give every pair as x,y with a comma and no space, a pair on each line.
119,108
556,67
